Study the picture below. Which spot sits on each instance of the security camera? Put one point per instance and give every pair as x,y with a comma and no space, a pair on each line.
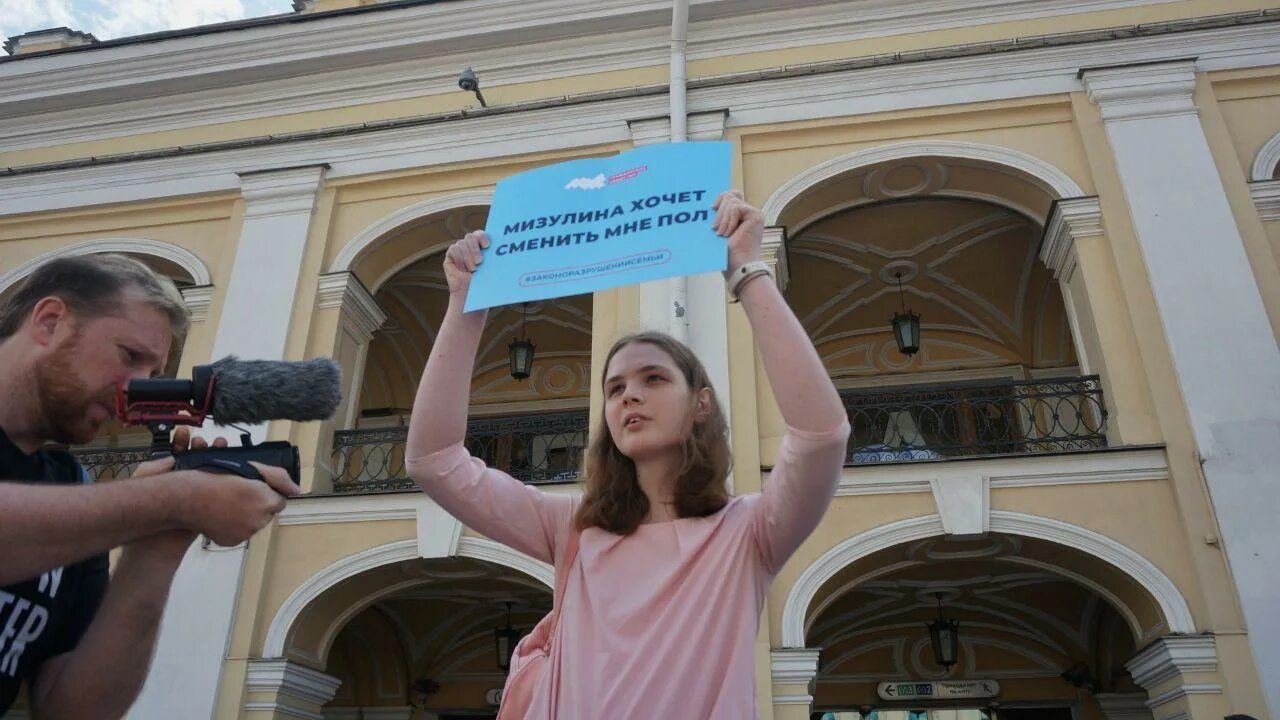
468,80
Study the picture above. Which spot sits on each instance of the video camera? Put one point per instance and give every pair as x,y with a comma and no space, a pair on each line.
234,391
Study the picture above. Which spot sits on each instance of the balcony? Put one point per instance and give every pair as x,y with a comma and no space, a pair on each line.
889,425
535,449
938,422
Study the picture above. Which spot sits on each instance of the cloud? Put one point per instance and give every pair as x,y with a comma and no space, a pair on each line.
594,183
108,19
20,16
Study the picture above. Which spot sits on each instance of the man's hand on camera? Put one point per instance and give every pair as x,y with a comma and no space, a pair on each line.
229,509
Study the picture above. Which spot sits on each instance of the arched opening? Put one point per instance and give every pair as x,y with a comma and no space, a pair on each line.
1044,627
955,239
533,428
412,634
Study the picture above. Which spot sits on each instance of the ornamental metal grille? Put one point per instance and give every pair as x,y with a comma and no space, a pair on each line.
111,463
936,422
536,449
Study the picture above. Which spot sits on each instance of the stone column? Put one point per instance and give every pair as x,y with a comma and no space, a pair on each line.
1223,347
254,324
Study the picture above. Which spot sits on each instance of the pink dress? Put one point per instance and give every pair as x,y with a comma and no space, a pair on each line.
661,623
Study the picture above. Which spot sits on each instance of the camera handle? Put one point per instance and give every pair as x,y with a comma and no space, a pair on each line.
228,460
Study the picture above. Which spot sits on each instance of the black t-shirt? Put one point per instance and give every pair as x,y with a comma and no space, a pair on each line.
47,615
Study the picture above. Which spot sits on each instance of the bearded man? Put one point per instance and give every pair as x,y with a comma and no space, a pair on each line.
82,638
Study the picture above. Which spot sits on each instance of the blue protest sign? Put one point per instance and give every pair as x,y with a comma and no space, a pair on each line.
587,225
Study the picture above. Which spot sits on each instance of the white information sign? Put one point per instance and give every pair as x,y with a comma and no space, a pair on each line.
938,690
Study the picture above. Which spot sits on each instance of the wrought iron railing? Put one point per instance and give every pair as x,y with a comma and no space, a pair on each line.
111,463
536,449
935,422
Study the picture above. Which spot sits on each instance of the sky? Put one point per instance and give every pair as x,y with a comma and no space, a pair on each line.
108,19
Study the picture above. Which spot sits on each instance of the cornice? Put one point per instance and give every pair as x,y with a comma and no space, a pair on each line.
416,52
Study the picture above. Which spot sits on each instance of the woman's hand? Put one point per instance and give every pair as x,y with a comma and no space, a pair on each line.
461,260
742,224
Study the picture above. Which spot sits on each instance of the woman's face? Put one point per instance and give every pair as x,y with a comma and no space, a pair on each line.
648,405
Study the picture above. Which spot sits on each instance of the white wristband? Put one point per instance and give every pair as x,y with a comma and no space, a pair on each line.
744,271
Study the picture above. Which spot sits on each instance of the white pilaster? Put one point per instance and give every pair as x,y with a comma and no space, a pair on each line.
254,324
1071,219
793,671
773,250
1224,350
198,298
361,318
1266,197
294,690
1167,668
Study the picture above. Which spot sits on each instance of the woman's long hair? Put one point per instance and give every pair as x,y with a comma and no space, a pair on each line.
614,500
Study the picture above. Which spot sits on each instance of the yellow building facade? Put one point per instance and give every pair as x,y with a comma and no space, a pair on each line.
1080,200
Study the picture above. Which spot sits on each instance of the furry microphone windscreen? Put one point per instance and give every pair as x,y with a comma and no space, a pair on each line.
255,391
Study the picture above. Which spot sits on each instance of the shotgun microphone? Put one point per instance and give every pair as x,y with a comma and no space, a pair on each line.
234,391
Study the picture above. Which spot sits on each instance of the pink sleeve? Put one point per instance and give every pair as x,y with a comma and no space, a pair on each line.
797,492
493,503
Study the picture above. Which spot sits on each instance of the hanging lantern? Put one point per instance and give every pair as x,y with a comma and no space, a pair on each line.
906,325
521,351
945,636
504,641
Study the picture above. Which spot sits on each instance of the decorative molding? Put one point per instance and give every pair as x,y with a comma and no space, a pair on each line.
372,236
289,680
317,509
1266,197
1070,219
964,503
1171,657
283,710
516,45
1182,691
1267,161
361,314
275,644
1143,91
277,633
705,125
495,552
198,298
1056,182
774,251
1124,706
183,258
289,191
871,87
794,665
370,713
806,586
1103,466
1173,607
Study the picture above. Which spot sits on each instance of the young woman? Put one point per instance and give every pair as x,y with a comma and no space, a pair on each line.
662,601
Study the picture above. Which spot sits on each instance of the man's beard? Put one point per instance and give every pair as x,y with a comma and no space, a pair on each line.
64,401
